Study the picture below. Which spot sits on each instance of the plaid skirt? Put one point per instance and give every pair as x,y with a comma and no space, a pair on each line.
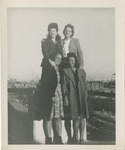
57,107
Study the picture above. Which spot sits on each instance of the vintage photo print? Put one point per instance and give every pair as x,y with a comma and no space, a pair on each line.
62,77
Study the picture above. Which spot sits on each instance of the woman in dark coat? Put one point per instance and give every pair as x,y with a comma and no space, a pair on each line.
49,83
71,45
75,96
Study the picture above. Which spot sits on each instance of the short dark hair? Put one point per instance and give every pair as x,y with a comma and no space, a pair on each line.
75,57
69,26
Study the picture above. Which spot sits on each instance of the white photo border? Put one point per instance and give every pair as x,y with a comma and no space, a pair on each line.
119,64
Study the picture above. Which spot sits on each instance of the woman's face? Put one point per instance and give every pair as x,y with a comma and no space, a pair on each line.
52,32
58,59
72,62
68,32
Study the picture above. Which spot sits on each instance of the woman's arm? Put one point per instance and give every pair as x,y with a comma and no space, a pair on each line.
80,53
65,91
45,48
45,52
85,83
52,63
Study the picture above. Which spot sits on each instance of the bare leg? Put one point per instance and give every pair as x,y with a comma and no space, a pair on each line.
47,125
54,130
57,127
75,129
82,128
68,127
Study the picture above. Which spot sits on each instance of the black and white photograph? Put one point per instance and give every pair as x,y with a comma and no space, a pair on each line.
61,76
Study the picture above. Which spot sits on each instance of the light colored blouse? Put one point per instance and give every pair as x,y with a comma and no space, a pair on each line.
66,46
74,47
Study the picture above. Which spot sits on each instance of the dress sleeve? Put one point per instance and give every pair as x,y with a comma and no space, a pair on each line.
80,53
45,48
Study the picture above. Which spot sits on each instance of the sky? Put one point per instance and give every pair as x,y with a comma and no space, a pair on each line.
94,27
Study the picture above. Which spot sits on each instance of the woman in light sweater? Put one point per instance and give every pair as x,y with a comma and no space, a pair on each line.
70,44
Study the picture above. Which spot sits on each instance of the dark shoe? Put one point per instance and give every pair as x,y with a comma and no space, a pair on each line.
76,141
57,140
70,141
48,140
82,141
54,140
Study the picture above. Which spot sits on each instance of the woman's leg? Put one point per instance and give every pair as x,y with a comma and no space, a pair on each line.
54,131
67,124
82,129
75,130
47,125
57,130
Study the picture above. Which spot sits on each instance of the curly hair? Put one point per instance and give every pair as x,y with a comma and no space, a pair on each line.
75,57
69,26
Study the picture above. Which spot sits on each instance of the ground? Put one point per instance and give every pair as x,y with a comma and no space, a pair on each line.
22,130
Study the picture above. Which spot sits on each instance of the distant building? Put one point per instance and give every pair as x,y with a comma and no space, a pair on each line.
101,86
21,84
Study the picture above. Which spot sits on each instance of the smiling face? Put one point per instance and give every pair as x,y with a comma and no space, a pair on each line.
58,59
72,62
68,32
52,32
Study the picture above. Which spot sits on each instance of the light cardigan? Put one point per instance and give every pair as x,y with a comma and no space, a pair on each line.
74,47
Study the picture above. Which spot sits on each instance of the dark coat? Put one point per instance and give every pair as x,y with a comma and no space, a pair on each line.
42,96
48,86
49,51
69,89
48,82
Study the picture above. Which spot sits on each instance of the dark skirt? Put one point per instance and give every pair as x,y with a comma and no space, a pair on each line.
48,86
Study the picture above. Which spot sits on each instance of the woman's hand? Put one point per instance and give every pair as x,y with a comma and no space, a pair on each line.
66,102
52,63
81,67
54,99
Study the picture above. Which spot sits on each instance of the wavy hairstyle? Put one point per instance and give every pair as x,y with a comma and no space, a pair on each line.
55,26
69,26
75,57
